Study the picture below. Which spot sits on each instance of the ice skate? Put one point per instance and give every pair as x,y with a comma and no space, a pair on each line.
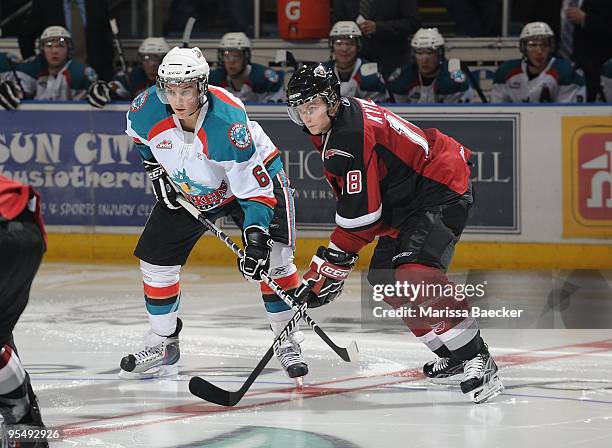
290,356
31,420
481,380
158,359
444,370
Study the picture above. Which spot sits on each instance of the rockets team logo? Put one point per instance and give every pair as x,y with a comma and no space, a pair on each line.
139,101
240,136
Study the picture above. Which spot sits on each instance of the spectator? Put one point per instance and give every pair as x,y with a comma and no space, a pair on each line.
93,16
538,77
386,26
53,74
127,86
606,81
476,18
586,37
429,80
358,77
248,81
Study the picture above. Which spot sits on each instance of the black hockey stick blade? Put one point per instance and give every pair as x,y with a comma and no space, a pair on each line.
348,354
209,392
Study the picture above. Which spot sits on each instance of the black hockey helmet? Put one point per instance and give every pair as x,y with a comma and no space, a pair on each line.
308,82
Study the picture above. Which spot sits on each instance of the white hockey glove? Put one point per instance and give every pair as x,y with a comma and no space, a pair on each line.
162,186
98,94
10,95
324,280
257,246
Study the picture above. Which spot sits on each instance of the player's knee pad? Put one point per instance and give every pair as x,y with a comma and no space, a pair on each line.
162,295
429,299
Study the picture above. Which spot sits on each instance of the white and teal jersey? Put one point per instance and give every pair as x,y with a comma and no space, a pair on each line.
228,157
606,80
364,81
70,83
408,86
557,83
262,84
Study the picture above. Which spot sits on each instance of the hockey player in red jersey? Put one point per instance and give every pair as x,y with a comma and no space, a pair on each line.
23,241
411,188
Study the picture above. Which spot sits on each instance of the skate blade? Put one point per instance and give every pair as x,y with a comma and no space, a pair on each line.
299,382
160,372
452,380
490,390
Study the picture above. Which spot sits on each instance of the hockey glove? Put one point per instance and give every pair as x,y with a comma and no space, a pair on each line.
257,246
98,94
162,186
324,281
10,95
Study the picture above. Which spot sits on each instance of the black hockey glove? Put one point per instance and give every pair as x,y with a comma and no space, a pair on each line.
257,246
10,95
162,185
324,281
98,94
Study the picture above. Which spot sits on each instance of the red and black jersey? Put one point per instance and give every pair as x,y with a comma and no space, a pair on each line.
15,198
384,168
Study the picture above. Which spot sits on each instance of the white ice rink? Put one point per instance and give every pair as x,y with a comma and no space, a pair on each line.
83,318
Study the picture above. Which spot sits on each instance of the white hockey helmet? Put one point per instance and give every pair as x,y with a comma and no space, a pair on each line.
55,32
345,29
183,65
536,30
234,41
427,38
154,45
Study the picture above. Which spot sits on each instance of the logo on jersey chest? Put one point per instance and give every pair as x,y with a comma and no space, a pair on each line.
164,144
240,136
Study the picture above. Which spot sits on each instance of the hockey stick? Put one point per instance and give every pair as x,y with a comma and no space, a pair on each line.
348,354
209,392
119,48
187,31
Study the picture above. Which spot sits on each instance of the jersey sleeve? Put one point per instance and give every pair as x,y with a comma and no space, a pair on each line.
572,88
499,91
371,84
359,206
268,84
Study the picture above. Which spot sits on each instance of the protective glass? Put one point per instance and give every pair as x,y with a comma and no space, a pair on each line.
57,42
314,108
232,55
152,59
171,91
344,42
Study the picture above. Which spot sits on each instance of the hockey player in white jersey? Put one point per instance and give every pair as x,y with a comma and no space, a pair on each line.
428,79
358,77
53,74
538,77
198,138
245,79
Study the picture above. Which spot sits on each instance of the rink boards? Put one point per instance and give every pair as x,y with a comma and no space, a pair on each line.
542,175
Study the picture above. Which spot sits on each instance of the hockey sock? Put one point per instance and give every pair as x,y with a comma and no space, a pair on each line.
438,319
14,400
162,294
